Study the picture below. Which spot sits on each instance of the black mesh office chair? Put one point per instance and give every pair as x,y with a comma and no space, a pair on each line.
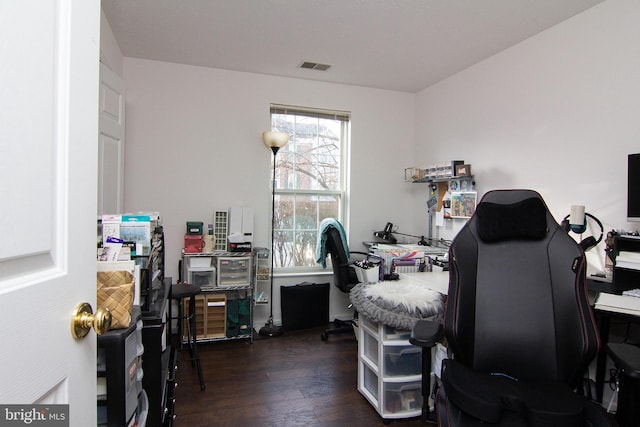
344,275
518,325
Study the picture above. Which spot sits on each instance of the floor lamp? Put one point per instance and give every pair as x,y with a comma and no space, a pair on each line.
275,141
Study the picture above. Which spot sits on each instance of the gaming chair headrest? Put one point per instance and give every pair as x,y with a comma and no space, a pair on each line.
524,219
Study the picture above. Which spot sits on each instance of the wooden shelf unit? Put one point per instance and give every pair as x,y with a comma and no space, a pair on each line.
211,315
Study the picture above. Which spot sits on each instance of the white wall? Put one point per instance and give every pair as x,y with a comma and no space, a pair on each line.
193,146
557,113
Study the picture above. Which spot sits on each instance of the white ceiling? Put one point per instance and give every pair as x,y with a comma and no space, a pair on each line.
402,45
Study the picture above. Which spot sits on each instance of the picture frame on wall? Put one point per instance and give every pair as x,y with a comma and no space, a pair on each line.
463,170
466,184
463,204
408,174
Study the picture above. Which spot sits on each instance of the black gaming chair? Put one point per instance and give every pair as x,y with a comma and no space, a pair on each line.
344,276
518,325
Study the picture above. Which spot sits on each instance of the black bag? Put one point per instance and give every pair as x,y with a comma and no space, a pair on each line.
304,306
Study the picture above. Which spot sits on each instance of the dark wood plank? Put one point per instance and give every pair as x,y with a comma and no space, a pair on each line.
292,380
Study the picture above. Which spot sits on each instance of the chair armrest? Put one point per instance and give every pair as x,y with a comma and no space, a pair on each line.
426,333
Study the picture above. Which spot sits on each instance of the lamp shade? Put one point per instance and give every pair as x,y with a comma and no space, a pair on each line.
275,139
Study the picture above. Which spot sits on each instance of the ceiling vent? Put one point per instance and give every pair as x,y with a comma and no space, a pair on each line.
314,66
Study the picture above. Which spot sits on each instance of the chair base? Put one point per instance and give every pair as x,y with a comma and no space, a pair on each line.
341,327
449,415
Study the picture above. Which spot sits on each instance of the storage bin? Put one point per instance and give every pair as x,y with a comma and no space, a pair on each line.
406,265
233,272
131,388
143,409
390,253
139,376
200,261
368,324
393,334
203,277
402,397
402,360
194,227
367,275
120,373
370,382
370,348
193,244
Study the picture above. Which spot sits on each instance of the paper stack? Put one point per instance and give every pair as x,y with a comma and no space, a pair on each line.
630,260
618,303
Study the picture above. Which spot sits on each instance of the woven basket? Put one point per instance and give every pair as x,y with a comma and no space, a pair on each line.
115,292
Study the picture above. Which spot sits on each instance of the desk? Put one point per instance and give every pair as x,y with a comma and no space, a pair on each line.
435,280
604,326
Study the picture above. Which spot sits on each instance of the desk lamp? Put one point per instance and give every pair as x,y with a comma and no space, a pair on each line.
385,234
387,237
275,141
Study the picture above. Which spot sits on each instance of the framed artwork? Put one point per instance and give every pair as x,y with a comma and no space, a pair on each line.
466,184
463,170
463,204
408,174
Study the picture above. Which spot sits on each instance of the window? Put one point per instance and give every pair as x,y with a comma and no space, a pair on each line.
310,180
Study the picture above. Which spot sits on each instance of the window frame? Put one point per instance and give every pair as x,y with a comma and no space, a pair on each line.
340,194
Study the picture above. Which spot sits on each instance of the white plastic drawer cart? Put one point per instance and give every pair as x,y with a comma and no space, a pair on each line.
389,370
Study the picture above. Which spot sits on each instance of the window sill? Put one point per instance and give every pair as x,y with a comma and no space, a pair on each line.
303,273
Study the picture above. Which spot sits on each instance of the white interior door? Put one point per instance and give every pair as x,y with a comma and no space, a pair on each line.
111,143
48,182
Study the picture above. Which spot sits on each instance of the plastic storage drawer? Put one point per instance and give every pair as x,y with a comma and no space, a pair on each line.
402,397
402,360
234,272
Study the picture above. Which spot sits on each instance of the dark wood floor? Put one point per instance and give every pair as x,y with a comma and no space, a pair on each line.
292,380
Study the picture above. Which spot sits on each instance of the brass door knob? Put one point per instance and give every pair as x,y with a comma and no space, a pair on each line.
83,319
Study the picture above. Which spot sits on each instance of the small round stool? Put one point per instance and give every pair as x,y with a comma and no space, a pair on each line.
179,292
